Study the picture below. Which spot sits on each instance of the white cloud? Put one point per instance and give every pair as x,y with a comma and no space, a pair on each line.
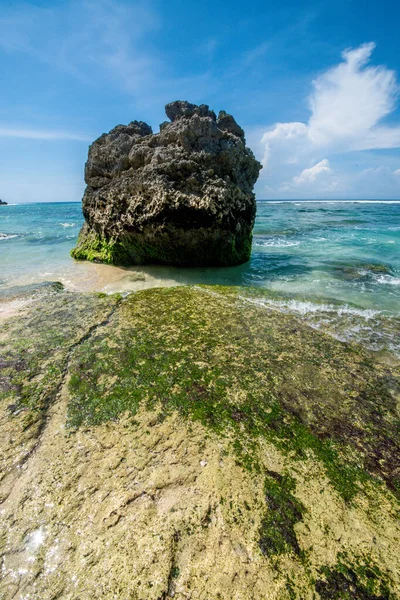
381,180
311,174
40,134
349,100
320,177
92,41
348,103
106,44
321,181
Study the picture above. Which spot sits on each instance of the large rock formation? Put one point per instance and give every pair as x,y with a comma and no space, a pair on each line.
182,196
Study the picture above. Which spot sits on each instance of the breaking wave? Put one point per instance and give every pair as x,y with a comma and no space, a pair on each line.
373,329
8,236
277,243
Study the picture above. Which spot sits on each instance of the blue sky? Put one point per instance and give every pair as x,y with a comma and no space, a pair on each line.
314,84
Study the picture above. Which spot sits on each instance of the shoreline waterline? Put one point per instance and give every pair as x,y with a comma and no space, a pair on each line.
307,255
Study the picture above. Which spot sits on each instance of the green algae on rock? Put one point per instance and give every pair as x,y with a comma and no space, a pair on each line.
34,354
249,371
277,534
184,442
352,581
183,196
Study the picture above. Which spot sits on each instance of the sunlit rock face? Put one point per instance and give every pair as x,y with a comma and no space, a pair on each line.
183,196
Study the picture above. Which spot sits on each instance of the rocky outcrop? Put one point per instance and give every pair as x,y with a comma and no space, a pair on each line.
187,443
183,196
2,203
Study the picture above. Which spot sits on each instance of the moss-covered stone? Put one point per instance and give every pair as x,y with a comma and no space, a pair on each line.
34,351
185,441
93,247
242,370
359,580
195,248
277,534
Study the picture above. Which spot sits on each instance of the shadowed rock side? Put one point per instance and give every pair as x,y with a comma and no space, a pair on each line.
183,443
183,196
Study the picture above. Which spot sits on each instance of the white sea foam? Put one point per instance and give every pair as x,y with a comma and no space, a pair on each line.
388,279
35,539
67,224
372,328
7,236
33,542
305,307
277,243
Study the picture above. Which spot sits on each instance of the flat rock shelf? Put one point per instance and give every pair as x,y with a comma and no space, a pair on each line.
185,443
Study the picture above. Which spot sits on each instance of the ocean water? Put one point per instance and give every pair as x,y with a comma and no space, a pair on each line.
334,263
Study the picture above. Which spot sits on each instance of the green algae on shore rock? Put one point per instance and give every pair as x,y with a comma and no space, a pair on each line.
184,442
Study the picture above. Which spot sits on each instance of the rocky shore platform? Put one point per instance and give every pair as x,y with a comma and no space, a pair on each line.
186,443
182,196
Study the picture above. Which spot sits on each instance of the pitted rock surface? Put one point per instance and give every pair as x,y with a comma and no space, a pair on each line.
182,196
185,443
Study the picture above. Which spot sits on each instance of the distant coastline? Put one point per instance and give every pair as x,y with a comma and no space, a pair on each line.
259,201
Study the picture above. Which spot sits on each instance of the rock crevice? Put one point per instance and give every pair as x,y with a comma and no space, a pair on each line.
182,196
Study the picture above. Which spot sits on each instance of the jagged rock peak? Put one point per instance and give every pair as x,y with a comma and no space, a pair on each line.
181,108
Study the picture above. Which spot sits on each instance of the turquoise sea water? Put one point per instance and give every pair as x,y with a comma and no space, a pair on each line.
323,260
